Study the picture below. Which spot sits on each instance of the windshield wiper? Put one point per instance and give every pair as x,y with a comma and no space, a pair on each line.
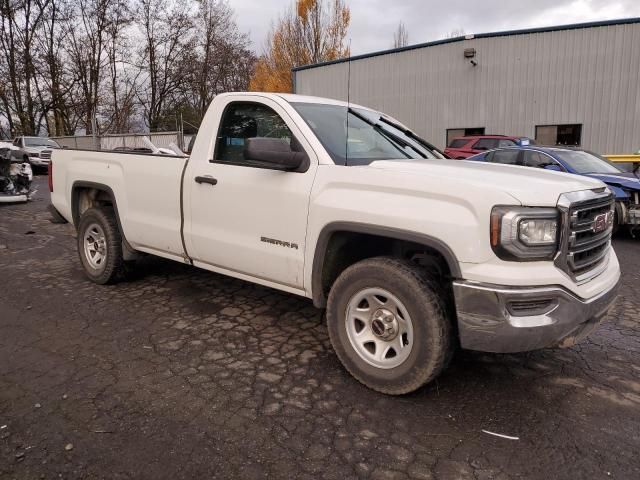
390,136
413,136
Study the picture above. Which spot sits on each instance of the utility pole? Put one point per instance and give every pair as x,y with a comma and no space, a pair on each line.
94,128
181,133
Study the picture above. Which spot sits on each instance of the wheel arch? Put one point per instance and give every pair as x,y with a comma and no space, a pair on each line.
380,240
85,195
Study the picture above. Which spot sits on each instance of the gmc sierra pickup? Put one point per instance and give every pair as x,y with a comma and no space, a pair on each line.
411,254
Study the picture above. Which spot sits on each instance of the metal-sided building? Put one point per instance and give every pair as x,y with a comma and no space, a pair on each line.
571,85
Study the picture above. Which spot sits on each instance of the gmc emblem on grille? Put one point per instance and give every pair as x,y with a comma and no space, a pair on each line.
601,223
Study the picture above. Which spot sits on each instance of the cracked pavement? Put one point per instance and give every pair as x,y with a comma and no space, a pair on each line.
182,373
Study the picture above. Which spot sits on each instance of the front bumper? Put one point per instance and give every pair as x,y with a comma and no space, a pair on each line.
5,198
501,319
39,162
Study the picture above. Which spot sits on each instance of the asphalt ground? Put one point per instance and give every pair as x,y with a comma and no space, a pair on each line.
181,373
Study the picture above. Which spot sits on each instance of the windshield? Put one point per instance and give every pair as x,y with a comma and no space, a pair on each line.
586,162
371,136
40,142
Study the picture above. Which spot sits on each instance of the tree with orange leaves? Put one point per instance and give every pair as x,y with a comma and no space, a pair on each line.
314,31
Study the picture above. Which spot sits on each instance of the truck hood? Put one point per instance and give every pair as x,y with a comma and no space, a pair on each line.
37,149
531,187
626,180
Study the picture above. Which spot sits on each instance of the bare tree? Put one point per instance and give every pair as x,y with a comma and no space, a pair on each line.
86,35
166,29
400,36
119,99
221,60
118,65
55,83
50,69
19,22
456,32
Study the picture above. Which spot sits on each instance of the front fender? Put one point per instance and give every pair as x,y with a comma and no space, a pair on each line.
436,212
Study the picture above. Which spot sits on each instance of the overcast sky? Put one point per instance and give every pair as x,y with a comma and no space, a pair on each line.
374,21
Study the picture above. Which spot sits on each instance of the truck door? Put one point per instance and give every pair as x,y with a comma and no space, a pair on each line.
245,218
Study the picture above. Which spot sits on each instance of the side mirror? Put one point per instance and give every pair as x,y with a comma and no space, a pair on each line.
554,168
275,152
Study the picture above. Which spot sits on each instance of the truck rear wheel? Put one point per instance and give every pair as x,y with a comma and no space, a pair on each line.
100,246
388,325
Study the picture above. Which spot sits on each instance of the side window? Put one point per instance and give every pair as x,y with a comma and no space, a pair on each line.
485,144
505,157
458,143
537,159
506,143
241,121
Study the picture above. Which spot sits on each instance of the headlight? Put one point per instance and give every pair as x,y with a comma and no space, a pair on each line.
33,154
540,231
524,233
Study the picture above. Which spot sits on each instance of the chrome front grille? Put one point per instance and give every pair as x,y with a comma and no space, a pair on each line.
45,154
587,226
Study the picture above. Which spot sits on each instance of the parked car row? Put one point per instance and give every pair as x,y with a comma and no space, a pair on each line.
624,185
464,147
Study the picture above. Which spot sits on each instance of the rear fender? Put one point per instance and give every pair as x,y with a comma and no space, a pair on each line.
81,203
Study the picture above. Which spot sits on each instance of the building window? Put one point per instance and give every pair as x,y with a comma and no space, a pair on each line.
570,135
463,132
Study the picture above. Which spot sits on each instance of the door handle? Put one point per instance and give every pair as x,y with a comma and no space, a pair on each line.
206,179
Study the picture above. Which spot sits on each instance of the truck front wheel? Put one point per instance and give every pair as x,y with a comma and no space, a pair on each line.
388,325
100,246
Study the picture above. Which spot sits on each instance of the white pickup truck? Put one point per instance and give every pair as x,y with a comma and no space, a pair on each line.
410,253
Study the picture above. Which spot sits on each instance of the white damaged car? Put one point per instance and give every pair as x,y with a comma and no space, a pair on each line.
16,176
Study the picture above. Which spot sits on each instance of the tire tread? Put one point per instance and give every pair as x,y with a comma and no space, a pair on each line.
429,292
116,268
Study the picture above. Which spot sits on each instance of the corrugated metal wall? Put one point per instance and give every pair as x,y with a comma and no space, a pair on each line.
588,76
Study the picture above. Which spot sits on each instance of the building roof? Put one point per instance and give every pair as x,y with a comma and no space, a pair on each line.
507,33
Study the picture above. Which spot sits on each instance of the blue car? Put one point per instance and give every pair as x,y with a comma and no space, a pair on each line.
624,185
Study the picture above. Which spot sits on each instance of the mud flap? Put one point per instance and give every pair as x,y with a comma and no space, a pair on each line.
55,215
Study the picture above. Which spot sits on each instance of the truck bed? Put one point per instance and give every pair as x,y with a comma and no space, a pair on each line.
147,188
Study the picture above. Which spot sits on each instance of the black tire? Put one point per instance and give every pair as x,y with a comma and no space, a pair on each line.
114,268
433,344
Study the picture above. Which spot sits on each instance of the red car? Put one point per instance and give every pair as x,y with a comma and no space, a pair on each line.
464,147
